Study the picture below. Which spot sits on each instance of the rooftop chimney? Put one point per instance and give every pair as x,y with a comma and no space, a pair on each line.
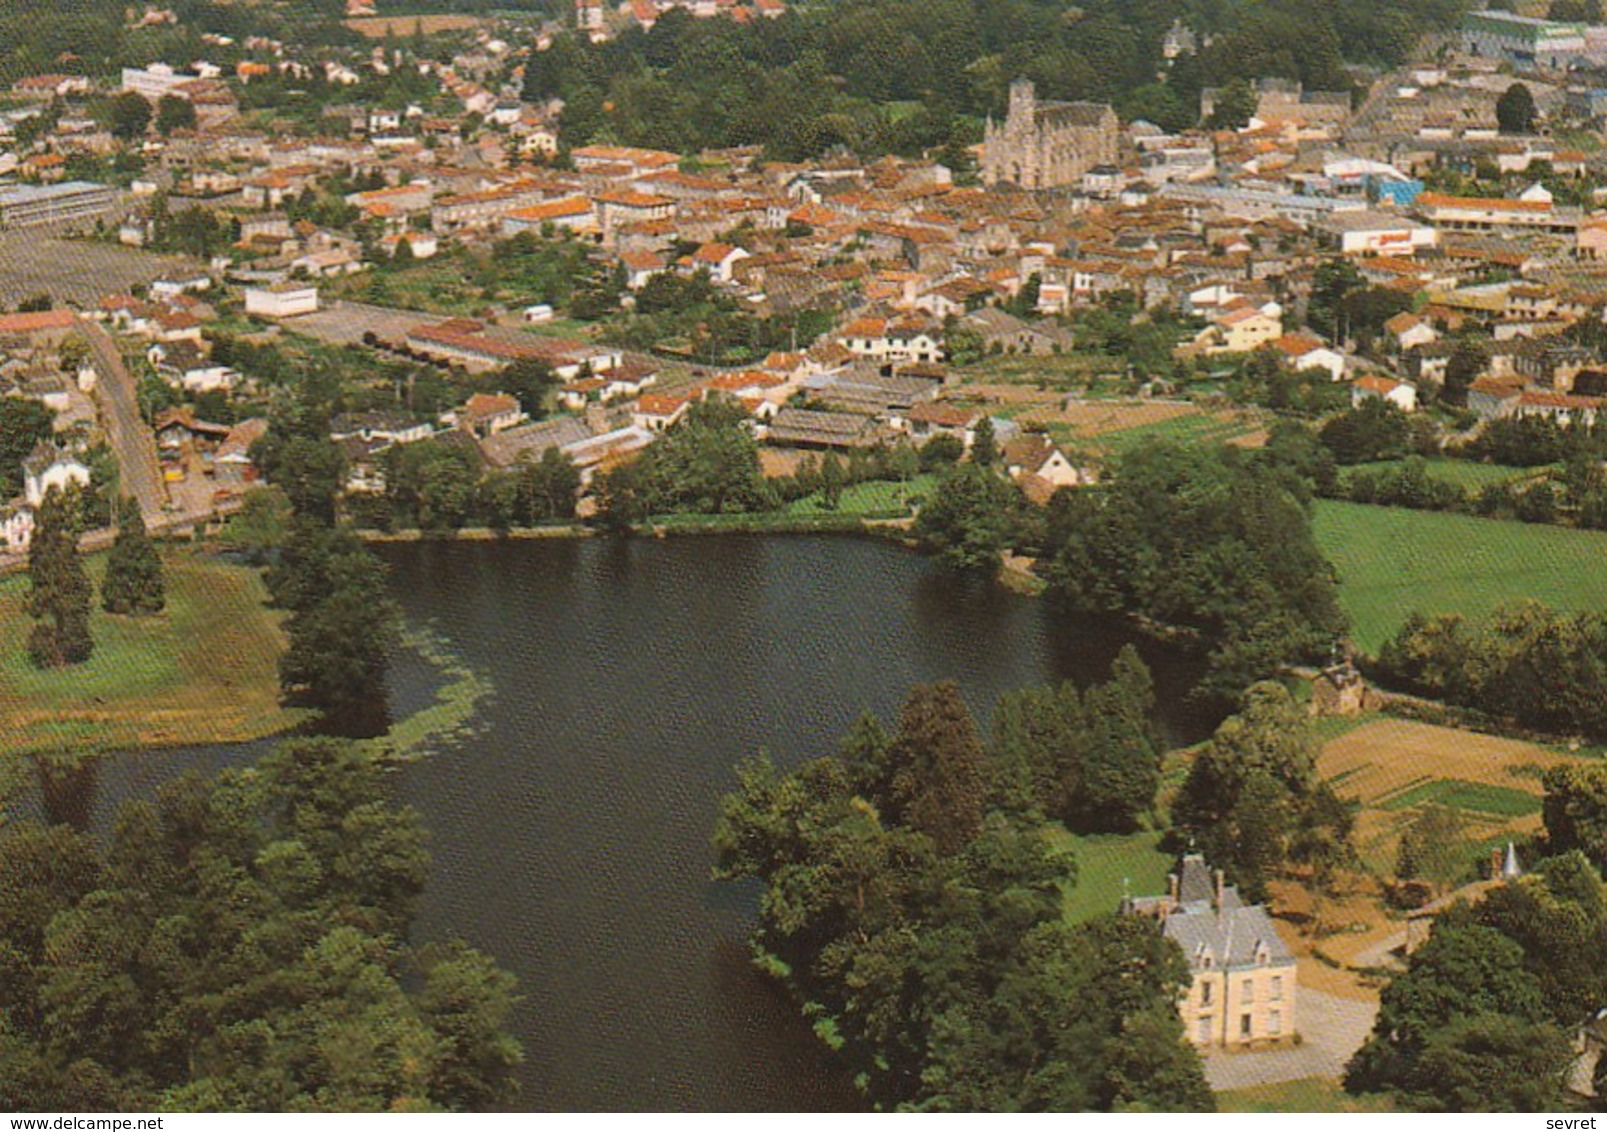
1221,886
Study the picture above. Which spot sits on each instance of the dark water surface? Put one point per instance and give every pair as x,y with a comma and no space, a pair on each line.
570,832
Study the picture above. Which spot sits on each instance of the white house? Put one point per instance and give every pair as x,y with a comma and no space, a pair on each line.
16,529
1305,351
50,467
1397,393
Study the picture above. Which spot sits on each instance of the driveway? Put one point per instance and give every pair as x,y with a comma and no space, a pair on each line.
1332,1030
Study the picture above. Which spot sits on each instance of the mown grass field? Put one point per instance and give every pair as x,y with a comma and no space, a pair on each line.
877,498
1393,562
1110,866
203,671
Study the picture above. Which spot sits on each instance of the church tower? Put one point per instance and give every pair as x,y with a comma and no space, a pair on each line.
1023,103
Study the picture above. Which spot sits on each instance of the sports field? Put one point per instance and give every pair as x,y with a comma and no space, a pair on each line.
1392,562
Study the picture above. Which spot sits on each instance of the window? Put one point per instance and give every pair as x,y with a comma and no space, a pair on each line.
1274,1022
1205,993
1204,1031
1248,993
1277,988
1244,1026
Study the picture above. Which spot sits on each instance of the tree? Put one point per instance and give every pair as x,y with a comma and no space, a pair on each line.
131,116
24,425
530,380
1252,795
1374,430
984,446
1466,983
833,478
1515,110
60,593
1210,543
1235,106
968,518
1434,848
172,114
935,780
1576,811
133,583
261,525
341,639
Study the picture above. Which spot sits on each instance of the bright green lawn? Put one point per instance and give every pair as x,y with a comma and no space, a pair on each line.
1314,1094
1104,861
1476,797
1393,562
876,497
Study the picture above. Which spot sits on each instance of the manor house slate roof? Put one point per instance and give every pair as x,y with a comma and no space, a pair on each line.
1232,934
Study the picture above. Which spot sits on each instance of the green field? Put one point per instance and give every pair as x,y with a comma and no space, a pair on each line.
1393,562
203,671
1466,474
1194,428
875,498
1473,797
1105,862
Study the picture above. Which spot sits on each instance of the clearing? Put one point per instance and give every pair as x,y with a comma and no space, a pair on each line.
1393,562
203,671
1110,866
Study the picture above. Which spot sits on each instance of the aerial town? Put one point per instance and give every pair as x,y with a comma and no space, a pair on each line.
1297,385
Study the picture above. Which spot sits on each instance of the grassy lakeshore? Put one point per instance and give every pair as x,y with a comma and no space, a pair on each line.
1393,562
203,671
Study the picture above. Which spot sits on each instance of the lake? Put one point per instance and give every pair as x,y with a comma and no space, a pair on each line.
570,829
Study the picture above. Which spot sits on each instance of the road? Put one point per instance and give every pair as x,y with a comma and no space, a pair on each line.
131,438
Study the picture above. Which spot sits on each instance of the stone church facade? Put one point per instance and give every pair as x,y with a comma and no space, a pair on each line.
1046,145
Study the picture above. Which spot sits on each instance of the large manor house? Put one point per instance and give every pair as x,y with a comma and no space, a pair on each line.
1243,988
1044,145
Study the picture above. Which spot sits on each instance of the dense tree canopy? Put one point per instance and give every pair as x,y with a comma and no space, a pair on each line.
892,76
1252,800
923,932
1090,760
1481,1019
23,424
239,945
1524,663
1205,541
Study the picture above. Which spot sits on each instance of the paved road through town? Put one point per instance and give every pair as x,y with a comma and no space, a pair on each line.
131,438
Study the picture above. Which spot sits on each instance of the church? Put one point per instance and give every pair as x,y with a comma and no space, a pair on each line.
1046,145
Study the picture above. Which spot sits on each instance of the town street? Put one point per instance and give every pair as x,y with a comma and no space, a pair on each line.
131,439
